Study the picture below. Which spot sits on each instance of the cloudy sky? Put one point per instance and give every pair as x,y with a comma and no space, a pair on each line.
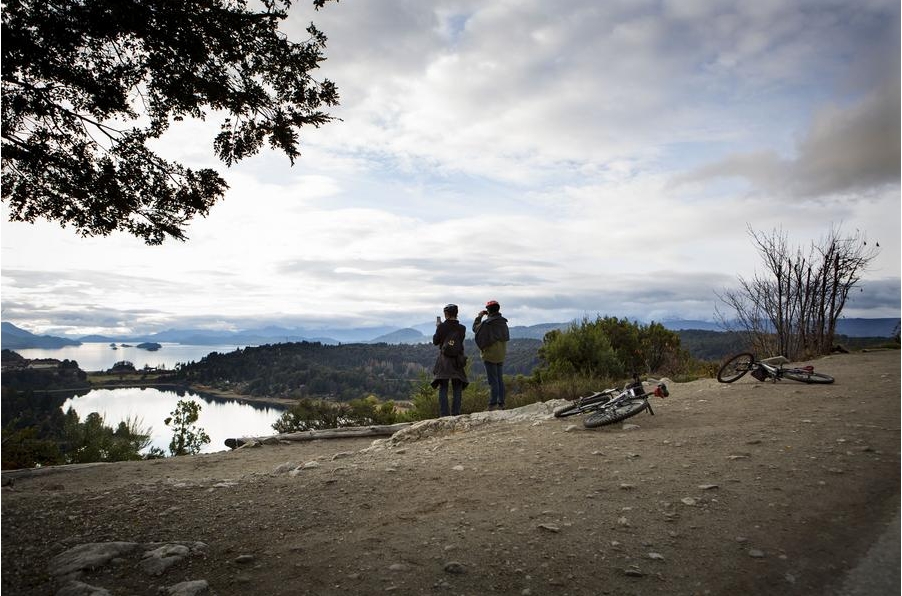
567,159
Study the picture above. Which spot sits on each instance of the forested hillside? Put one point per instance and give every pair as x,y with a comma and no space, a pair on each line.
343,372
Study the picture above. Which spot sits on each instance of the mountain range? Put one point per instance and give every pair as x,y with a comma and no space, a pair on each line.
14,337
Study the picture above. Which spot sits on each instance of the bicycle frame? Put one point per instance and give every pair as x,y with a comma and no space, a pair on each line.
772,366
768,368
628,402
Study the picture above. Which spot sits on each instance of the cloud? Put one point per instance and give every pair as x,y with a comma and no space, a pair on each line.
524,152
846,150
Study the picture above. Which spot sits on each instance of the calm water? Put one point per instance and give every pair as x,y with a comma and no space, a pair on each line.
221,419
99,356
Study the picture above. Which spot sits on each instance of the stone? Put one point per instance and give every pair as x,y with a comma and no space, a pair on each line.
157,561
76,588
88,556
455,568
189,588
756,554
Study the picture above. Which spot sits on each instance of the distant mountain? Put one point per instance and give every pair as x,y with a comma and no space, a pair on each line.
402,336
535,331
867,327
681,324
847,327
15,338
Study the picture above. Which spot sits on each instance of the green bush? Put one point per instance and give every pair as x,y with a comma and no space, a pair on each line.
187,439
311,414
609,348
93,441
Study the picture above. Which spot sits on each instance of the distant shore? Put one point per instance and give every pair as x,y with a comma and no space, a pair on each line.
204,390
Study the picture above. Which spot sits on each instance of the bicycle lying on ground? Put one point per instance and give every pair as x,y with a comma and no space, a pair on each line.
613,405
769,368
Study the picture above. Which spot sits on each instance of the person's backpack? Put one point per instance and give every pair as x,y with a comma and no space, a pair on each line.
452,347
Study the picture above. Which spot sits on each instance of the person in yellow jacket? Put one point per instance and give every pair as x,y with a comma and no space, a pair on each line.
492,336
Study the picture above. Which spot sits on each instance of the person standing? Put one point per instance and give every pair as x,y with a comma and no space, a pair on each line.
449,369
492,336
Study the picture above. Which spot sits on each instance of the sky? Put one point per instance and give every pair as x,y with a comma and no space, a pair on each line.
568,159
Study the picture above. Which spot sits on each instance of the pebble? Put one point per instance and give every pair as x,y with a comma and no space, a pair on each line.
455,568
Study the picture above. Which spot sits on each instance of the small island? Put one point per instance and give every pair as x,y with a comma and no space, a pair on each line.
149,346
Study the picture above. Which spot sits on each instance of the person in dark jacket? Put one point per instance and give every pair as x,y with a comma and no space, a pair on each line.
449,369
492,336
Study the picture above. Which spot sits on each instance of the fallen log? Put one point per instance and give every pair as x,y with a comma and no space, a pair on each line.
344,432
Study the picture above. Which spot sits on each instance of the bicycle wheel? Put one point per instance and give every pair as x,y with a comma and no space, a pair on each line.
615,413
580,406
734,368
803,376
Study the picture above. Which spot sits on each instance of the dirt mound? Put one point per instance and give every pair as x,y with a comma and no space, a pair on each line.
749,488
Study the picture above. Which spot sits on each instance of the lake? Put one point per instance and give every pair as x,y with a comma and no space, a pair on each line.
100,356
221,419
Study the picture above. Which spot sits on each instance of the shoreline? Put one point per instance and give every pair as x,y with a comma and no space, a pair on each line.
204,390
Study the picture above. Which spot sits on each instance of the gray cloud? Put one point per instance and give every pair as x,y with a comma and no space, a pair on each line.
846,150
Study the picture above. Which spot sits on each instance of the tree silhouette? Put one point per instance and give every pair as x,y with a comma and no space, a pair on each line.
87,83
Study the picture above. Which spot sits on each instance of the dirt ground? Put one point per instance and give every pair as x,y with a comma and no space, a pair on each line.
749,488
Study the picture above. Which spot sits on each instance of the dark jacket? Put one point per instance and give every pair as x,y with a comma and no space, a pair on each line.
492,336
445,367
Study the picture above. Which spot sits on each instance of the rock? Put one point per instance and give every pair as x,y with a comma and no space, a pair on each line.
245,559
549,528
398,567
708,486
656,556
629,427
75,588
455,568
88,556
633,572
310,465
458,468
688,501
342,455
283,468
157,561
189,588
756,554
570,428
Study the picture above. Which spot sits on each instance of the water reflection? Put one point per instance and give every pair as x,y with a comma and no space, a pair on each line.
220,418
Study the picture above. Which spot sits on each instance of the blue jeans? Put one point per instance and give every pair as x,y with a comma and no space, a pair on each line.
456,390
496,382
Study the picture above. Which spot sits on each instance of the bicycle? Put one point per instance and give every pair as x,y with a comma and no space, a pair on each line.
588,403
769,368
613,405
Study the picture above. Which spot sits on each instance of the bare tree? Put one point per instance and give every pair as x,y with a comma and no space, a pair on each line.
793,306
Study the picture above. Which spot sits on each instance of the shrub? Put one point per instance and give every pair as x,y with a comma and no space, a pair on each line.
188,439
